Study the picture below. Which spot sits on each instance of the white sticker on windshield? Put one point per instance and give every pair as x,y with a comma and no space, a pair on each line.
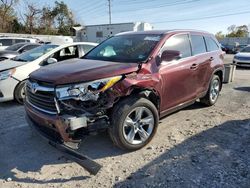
157,38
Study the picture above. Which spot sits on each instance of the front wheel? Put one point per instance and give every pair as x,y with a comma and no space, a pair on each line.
213,91
134,122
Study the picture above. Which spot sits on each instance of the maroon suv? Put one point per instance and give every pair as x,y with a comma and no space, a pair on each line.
125,85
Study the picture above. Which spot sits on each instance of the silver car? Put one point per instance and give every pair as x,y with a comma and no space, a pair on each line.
16,49
243,57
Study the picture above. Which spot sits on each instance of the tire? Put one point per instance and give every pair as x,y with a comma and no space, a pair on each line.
213,91
142,120
19,93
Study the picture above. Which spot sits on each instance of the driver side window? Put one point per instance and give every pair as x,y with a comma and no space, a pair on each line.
179,43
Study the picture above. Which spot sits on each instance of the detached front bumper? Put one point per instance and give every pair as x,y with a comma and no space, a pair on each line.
52,129
50,125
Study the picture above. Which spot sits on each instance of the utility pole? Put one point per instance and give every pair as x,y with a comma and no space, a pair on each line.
109,1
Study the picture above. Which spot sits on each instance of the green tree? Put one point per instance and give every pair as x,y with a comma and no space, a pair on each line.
47,20
17,27
64,18
219,35
237,31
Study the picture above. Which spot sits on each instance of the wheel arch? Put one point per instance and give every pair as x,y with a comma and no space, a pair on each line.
219,72
20,81
149,94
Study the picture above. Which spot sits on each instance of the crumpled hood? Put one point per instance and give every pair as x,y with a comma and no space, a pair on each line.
81,70
9,64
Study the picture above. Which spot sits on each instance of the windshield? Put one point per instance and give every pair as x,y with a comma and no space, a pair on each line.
125,48
15,47
246,49
35,53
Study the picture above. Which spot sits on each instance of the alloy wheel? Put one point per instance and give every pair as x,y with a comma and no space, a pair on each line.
138,125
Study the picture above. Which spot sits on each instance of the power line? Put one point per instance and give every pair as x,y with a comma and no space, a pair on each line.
88,9
176,2
203,18
109,1
159,5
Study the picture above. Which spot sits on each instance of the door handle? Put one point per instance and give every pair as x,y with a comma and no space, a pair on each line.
194,66
211,58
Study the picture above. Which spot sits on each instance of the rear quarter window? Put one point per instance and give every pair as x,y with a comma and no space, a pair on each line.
19,40
198,44
211,44
87,48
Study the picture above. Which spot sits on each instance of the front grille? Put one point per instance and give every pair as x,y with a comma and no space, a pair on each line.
41,96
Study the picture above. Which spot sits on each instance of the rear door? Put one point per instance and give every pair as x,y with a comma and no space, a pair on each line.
201,67
177,77
215,55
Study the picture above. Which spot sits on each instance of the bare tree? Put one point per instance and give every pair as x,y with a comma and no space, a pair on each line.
7,13
31,16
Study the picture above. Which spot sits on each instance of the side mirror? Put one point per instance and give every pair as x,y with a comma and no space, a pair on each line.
170,55
1,44
22,50
51,60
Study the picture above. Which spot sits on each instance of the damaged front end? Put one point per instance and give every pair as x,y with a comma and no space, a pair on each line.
73,111
79,109
83,107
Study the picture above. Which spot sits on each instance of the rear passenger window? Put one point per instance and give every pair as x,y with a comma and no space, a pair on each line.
179,43
6,42
211,44
198,44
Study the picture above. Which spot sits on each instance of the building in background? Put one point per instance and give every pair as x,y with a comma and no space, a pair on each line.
98,33
235,40
55,39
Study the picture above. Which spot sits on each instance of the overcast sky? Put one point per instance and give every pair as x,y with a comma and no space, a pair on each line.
209,15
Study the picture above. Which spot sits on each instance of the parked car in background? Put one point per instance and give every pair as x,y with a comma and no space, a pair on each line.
238,48
223,48
229,49
8,41
16,49
125,85
14,72
243,57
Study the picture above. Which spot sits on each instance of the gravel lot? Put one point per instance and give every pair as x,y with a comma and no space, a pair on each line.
195,147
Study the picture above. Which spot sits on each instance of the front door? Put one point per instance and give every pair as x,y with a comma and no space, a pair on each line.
178,79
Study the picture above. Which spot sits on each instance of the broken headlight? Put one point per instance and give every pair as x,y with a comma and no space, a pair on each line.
86,91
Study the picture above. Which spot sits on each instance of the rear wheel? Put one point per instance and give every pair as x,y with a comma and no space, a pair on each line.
19,93
213,91
134,122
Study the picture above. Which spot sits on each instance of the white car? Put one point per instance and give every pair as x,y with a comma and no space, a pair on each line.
8,41
14,72
243,57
